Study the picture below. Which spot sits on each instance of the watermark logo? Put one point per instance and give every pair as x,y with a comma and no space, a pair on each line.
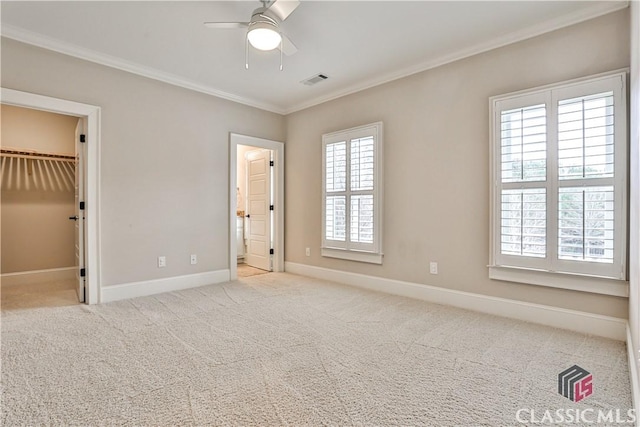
575,383
530,416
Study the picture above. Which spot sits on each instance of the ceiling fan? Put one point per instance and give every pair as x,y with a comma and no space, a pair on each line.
263,30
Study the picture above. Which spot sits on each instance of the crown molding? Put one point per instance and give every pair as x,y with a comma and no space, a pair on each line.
39,40
598,9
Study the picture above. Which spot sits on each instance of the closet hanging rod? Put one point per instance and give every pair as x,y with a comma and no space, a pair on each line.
28,154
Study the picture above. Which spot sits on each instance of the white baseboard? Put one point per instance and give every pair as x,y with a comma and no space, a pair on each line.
588,323
157,286
633,370
37,276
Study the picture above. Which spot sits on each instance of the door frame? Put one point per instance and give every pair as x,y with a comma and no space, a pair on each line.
78,196
91,114
278,198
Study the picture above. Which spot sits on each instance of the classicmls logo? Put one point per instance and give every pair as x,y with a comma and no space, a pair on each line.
575,383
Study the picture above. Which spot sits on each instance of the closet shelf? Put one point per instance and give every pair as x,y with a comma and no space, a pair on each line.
26,170
29,154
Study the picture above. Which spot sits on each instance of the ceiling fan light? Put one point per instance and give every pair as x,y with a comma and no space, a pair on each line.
264,37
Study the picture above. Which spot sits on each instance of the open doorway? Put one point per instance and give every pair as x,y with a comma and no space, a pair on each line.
254,210
40,247
83,180
257,208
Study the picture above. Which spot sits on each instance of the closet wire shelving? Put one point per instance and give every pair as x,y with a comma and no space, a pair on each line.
33,170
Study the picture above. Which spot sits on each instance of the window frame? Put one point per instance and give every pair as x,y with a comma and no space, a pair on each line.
552,271
355,251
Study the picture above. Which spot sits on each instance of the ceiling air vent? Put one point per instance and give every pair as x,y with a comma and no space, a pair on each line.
314,79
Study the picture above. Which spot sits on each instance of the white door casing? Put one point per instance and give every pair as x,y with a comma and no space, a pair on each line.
91,115
278,149
79,213
258,211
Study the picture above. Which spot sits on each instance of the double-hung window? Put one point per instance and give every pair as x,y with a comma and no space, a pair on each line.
559,173
352,194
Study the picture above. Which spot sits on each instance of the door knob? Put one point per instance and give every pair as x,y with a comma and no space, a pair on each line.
75,218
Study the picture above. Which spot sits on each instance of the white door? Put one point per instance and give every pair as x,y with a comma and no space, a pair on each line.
79,213
258,209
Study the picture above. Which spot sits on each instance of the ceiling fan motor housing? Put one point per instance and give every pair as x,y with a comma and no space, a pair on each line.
263,16
263,32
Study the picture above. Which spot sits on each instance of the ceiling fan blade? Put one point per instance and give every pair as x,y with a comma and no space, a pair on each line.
226,24
284,8
288,48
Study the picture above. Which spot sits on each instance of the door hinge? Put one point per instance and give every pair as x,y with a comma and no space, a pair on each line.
83,138
271,163
83,272
270,207
81,206
270,251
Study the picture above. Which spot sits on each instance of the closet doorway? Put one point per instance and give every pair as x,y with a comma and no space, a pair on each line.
257,217
38,176
68,175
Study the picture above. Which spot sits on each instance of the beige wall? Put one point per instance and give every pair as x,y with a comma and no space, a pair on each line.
36,233
37,130
436,188
163,161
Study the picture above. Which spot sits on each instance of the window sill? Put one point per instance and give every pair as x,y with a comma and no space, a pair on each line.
596,285
359,256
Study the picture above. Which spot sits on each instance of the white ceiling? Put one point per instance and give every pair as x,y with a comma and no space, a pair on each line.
358,44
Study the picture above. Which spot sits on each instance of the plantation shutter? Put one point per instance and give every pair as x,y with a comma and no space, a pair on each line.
586,156
559,173
335,187
524,144
362,183
586,137
351,194
523,126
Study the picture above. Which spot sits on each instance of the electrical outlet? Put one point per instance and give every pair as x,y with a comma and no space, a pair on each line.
307,251
433,267
194,259
162,261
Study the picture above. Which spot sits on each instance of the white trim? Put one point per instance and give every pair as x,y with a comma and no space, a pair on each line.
348,249
278,184
622,72
633,371
614,81
158,286
90,55
634,188
588,323
92,183
351,255
38,276
49,43
575,282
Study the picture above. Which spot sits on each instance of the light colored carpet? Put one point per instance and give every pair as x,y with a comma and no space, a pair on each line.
279,349
46,294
